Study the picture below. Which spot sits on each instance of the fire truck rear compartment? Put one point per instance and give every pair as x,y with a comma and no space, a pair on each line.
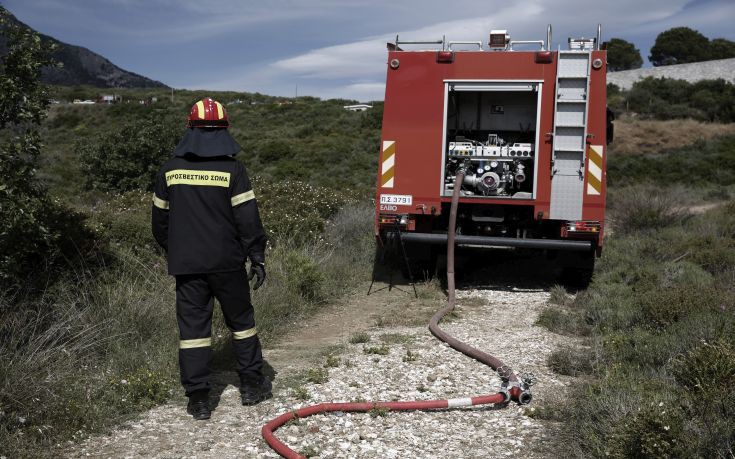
491,133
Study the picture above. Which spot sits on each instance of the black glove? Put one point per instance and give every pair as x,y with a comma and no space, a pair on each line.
257,269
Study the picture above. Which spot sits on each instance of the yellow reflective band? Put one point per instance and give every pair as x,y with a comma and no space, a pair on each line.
220,111
192,343
388,171
200,109
245,333
242,197
193,177
160,203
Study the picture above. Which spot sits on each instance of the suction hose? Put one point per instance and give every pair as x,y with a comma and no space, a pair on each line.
512,388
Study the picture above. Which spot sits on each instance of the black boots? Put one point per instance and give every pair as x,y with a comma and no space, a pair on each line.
198,406
254,391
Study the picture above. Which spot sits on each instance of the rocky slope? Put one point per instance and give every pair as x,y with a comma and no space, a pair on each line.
80,66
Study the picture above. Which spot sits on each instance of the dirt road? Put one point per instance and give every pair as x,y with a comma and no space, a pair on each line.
394,359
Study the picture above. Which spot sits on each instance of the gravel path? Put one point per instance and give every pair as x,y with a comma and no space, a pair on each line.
398,363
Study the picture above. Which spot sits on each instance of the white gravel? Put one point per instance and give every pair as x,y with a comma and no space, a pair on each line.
498,321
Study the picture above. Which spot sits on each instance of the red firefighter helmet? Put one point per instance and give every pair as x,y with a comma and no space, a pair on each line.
208,113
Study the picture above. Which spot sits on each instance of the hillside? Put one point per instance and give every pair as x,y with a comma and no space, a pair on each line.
80,66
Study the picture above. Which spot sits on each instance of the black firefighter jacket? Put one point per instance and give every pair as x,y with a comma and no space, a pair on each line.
205,215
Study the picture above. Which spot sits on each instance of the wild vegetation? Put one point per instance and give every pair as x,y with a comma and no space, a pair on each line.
658,316
666,99
87,324
87,328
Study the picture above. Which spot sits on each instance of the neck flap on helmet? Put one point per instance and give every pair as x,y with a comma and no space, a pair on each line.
207,143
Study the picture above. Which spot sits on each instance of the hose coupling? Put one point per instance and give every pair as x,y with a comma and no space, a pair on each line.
529,379
525,397
505,373
519,391
506,395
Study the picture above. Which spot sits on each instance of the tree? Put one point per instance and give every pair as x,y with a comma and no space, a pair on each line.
23,200
35,231
679,46
721,48
622,55
129,157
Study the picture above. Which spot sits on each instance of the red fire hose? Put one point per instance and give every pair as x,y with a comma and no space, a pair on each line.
512,389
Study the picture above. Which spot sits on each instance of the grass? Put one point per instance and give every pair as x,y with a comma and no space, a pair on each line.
359,338
300,393
99,346
395,338
701,164
379,412
317,375
661,334
644,137
377,350
558,295
571,362
309,451
410,356
90,351
332,361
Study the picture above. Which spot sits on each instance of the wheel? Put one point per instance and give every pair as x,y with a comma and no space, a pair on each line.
579,278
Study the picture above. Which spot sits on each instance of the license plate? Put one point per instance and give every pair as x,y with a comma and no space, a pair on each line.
398,199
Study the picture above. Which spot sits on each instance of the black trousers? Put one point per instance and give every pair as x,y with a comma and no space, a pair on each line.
194,307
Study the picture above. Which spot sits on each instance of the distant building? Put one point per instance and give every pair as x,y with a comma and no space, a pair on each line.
84,102
358,107
109,99
148,101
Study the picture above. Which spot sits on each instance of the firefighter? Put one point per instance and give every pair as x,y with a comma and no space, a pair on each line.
206,219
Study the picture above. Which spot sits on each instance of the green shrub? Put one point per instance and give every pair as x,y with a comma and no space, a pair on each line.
661,336
359,338
569,361
296,211
710,163
708,369
562,321
65,354
377,350
317,375
35,230
637,208
666,98
684,289
129,157
707,372
655,431
559,296
143,387
303,275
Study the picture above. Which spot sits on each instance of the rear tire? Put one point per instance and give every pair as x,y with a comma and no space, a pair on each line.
577,270
578,278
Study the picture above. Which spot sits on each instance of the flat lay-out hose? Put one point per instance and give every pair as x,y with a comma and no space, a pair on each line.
512,388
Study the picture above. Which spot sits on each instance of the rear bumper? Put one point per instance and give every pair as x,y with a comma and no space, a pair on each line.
486,241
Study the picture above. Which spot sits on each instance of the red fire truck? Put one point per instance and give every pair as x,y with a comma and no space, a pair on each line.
528,127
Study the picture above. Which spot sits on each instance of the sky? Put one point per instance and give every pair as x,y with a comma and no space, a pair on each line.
332,48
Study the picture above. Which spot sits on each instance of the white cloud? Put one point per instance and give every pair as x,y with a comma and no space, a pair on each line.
354,64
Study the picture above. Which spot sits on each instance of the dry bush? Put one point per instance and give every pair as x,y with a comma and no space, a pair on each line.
642,207
635,136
